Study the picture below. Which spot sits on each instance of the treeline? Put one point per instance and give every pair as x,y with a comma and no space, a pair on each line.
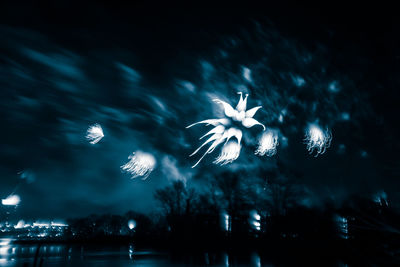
266,214
111,228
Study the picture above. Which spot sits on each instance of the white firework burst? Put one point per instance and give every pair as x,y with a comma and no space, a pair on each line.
94,133
317,140
223,131
267,144
140,164
229,153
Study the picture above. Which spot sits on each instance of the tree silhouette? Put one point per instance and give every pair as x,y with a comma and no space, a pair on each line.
176,199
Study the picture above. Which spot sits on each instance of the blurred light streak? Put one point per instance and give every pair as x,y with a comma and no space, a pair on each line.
343,227
20,224
226,259
247,74
130,252
381,198
256,260
334,87
298,81
255,220
12,200
226,221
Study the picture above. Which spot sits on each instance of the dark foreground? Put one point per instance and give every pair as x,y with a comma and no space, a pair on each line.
13,253
120,255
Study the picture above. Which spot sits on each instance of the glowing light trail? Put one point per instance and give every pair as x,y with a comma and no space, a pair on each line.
11,200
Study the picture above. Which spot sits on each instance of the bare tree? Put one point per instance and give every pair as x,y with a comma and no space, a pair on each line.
176,199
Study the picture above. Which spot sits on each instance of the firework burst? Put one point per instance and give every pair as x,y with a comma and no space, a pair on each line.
94,133
229,153
223,130
267,144
140,164
317,140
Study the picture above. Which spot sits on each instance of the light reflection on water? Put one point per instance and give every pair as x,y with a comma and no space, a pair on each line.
12,254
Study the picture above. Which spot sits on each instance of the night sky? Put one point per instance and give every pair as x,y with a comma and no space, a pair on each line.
144,72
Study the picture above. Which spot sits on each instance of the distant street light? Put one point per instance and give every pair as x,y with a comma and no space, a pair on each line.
255,220
226,221
12,200
131,224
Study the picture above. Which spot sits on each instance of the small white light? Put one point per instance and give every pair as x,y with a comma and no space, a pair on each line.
12,200
131,224
225,221
230,152
20,224
247,74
